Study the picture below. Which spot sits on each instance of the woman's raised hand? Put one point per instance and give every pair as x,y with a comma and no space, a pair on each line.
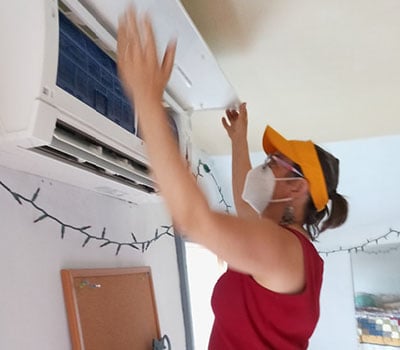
235,123
143,76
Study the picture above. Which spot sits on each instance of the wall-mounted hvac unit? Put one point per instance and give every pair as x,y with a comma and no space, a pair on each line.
63,113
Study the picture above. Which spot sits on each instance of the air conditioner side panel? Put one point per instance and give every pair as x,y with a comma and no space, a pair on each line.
29,40
38,132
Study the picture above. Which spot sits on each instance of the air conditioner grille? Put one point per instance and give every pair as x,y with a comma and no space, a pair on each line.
79,150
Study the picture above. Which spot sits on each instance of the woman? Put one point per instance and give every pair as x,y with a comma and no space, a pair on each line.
269,297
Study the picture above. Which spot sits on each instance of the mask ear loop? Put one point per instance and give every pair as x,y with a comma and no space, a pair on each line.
266,162
288,214
288,217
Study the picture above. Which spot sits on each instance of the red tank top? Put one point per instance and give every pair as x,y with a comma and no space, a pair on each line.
251,317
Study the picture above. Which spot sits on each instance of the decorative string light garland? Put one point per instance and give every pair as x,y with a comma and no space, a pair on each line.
84,230
207,169
368,243
383,250
140,245
166,230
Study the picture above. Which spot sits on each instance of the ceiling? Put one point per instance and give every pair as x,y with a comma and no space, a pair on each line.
322,70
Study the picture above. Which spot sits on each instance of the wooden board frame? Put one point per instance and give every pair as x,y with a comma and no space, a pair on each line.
134,285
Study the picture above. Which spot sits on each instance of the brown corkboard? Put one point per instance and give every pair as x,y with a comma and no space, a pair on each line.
111,308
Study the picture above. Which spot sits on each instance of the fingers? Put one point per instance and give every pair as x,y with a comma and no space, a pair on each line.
243,107
128,39
121,39
132,31
135,36
136,41
225,123
231,114
168,60
149,42
243,110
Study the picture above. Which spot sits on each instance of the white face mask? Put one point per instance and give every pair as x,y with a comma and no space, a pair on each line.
259,188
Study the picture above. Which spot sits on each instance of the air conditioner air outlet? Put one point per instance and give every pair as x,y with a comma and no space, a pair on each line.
80,150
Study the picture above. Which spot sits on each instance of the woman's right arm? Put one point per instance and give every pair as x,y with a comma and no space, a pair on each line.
235,124
259,247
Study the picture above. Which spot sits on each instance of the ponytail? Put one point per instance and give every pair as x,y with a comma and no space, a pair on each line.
335,216
338,212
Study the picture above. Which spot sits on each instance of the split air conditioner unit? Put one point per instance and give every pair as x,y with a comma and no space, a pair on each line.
63,113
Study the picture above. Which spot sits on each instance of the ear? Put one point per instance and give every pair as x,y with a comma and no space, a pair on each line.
299,188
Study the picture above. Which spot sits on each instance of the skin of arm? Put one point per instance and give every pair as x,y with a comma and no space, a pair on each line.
258,247
235,125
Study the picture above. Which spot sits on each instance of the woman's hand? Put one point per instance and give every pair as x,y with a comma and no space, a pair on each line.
235,123
143,76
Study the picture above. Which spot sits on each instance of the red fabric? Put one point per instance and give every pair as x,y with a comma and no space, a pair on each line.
249,316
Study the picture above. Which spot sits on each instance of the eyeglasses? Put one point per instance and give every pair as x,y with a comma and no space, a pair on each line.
274,159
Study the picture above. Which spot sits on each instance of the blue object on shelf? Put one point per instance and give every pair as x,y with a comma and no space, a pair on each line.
90,75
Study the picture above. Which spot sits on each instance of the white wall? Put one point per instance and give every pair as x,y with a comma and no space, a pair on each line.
32,313
377,273
337,327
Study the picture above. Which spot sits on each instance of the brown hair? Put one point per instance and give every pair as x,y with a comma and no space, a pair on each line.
335,212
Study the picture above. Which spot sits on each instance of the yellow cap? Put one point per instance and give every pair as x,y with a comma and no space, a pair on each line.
304,154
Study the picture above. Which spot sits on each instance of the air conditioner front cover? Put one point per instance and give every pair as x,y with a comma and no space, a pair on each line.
197,82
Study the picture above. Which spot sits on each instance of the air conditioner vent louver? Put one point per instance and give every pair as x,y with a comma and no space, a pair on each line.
82,151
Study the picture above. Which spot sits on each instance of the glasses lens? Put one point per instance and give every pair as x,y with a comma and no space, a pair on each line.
285,165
